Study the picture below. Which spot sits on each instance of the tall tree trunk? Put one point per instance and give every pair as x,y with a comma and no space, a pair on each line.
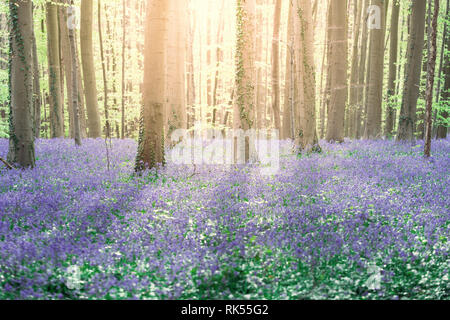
442,127
362,86
56,103
74,82
190,74
353,97
37,98
21,139
151,135
66,61
124,9
338,73
105,81
87,60
307,133
245,61
276,65
176,59
407,121
376,60
219,60
432,53
393,54
291,88
81,96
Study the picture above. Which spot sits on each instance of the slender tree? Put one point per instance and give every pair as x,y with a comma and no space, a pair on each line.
245,93
151,135
353,96
442,128
105,80
21,139
304,55
176,117
362,86
393,56
276,65
291,86
37,99
74,82
407,120
376,75
54,60
430,77
87,60
338,71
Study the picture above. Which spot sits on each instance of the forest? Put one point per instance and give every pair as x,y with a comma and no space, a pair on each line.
224,149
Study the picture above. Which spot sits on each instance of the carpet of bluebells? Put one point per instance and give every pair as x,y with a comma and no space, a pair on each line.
361,220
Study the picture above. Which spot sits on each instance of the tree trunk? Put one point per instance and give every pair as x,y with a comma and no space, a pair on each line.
37,98
276,65
290,91
87,60
74,82
338,73
430,78
304,49
362,86
407,121
21,139
105,81
56,107
393,53
176,58
245,61
376,75
445,93
151,135
353,97
66,61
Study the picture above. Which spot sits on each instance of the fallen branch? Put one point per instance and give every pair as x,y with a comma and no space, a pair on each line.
6,163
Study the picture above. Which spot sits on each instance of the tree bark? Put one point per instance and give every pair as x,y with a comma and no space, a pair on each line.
37,98
176,117
430,78
338,73
442,128
276,65
375,90
393,54
304,49
407,121
56,103
151,135
74,82
245,61
87,60
21,139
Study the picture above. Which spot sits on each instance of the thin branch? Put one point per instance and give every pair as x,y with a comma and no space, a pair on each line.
6,163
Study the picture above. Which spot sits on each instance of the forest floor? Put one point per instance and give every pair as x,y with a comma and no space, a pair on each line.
361,220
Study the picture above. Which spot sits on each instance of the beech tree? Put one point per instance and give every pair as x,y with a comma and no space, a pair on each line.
21,138
407,120
338,72
393,56
430,77
151,135
245,60
87,60
54,68
376,60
